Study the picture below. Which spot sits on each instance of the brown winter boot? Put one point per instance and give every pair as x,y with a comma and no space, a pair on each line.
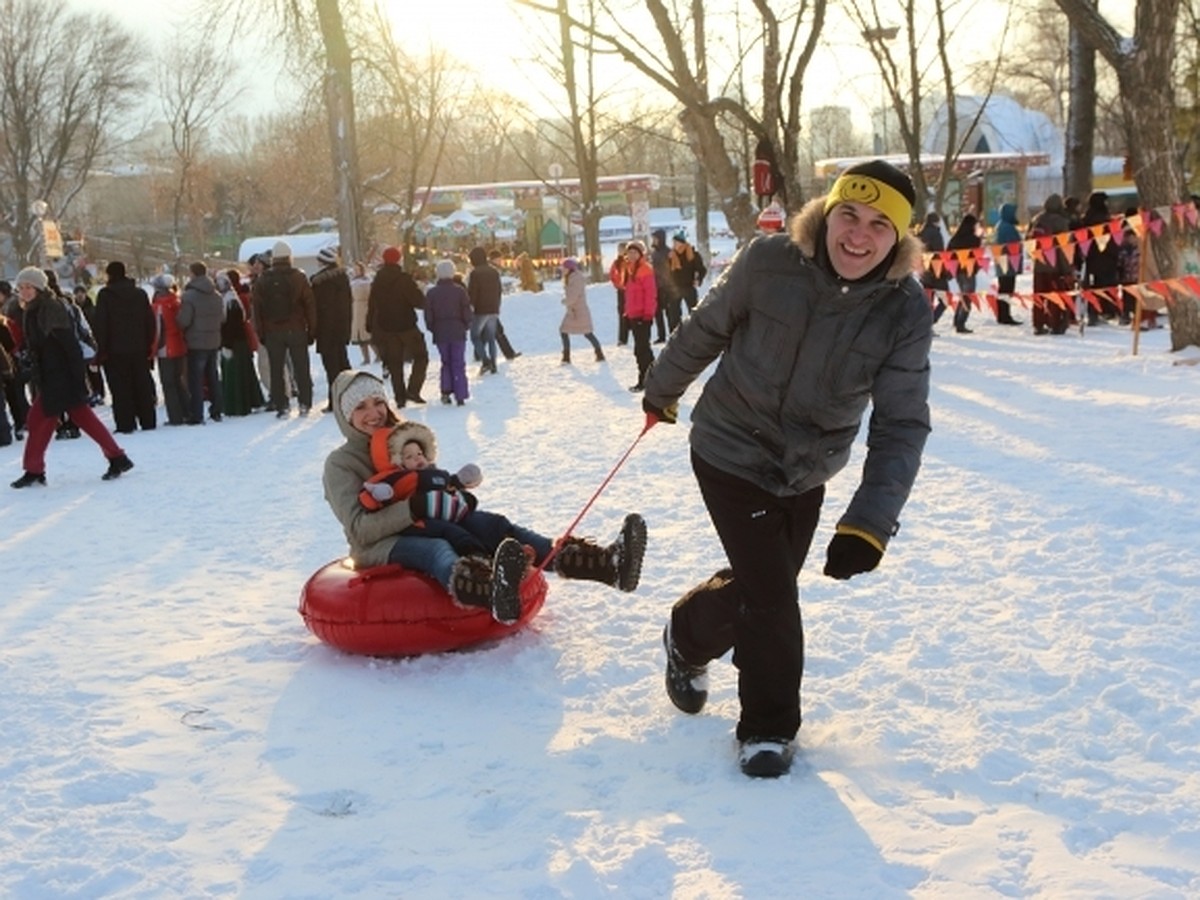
495,585
471,582
618,564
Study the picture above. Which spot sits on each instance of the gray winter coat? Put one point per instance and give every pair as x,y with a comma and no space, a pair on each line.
801,354
369,534
201,312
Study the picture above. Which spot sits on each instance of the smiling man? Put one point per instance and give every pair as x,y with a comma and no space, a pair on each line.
810,327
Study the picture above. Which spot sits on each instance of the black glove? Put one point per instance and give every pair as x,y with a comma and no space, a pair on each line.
432,480
668,416
849,554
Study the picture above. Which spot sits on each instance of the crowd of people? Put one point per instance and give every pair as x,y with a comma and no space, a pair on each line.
1102,266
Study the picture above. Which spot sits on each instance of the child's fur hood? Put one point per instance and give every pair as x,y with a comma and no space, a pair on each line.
387,444
805,226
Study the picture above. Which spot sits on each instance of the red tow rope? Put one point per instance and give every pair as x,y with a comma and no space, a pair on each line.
651,421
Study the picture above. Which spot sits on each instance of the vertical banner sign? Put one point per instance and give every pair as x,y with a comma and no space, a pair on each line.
51,239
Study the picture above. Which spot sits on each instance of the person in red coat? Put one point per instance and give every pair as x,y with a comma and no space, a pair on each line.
641,303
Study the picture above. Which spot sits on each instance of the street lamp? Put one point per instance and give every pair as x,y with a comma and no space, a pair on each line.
879,35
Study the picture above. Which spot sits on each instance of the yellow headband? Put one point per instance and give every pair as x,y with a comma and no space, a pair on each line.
858,188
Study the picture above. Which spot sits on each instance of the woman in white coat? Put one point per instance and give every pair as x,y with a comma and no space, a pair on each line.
578,318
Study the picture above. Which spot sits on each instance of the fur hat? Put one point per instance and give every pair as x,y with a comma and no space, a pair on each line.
115,270
281,250
163,282
879,185
638,246
391,256
32,275
328,256
361,386
445,268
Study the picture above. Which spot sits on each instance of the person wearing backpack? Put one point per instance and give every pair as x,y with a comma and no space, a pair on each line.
285,318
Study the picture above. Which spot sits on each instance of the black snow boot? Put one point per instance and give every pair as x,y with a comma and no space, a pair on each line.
117,466
508,568
765,757
29,478
687,685
618,564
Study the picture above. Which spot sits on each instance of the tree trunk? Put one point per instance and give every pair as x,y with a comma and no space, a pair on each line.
343,142
1144,72
1081,117
709,147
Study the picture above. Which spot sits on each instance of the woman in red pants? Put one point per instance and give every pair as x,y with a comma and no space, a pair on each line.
57,375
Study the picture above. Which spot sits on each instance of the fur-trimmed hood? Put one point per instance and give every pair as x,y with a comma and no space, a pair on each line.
805,227
388,443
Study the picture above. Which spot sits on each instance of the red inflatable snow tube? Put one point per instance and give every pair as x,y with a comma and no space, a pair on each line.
393,611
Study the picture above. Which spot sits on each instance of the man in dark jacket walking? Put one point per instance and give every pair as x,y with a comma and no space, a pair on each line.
285,317
124,330
808,327
392,321
484,290
334,302
687,273
201,312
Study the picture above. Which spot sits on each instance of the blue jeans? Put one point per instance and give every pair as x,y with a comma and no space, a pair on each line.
485,343
201,370
433,556
436,558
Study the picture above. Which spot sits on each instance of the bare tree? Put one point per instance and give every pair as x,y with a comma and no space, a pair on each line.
677,64
1144,63
413,102
56,108
193,90
315,34
909,79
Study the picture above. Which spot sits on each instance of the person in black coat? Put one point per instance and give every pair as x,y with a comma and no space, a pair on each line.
935,279
335,307
392,321
1102,263
125,330
56,372
964,238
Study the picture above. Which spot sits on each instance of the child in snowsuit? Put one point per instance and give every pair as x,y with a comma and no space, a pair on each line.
440,501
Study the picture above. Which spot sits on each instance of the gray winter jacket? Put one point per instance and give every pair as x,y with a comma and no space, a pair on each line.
201,312
801,354
370,534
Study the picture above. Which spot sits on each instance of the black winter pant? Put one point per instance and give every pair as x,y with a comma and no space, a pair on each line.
640,328
132,389
396,348
281,346
753,606
334,360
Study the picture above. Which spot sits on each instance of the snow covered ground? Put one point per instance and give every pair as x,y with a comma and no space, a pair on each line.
1007,707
